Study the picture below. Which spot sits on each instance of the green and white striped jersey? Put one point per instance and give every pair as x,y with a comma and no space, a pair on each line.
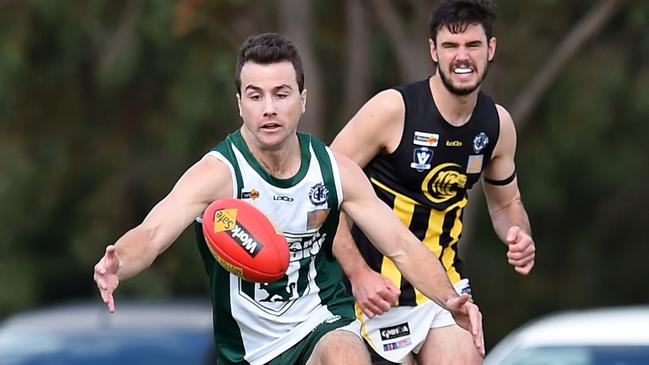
256,322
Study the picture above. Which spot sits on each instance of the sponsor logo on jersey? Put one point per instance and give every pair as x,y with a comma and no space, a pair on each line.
318,194
474,164
443,182
305,245
396,345
315,218
389,333
480,142
421,158
283,198
250,194
454,143
426,139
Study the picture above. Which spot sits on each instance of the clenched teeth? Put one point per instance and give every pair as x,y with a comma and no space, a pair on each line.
462,70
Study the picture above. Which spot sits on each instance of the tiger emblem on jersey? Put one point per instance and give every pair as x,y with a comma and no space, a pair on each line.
442,183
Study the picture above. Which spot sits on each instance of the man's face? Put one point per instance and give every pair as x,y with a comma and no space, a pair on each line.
270,102
463,58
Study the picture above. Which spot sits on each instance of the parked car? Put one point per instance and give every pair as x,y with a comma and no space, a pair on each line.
85,333
606,336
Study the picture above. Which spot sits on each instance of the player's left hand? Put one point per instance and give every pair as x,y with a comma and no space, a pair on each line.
106,277
467,315
521,250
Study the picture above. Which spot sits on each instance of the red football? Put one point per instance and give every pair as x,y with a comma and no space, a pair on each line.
244,241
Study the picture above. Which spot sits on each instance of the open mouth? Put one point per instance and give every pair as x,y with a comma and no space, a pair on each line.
462,70
270,126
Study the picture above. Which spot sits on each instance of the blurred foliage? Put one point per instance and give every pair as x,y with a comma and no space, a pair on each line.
104,104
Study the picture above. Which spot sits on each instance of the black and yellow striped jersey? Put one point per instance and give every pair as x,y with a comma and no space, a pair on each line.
426,179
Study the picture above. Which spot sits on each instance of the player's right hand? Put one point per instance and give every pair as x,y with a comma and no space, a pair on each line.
106,276
521,250
373,293
467,315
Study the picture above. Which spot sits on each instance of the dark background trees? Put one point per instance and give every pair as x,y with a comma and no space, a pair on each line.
103,104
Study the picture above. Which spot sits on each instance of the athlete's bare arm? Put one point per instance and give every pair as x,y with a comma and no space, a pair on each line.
508,216
206,181
417,264
376,127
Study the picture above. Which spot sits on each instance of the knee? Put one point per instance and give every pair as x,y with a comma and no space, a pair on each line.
340,347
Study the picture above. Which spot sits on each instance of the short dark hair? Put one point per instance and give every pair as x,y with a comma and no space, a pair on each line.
457,15
267,48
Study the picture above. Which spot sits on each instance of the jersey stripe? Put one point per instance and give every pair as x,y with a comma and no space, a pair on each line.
403,207
438,230
455,232
432,242
404,211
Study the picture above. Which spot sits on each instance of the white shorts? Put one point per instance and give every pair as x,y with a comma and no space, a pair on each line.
403,330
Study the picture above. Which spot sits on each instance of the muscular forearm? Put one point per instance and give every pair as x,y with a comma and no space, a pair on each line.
346,251
513,229
425,272
513,214
135,252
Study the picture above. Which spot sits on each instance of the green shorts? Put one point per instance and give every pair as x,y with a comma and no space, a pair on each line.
301,351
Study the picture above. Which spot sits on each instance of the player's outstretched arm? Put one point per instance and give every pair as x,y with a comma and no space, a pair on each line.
374,293
418,265
508,215
206,181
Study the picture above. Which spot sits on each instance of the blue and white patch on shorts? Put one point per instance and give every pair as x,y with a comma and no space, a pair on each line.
397,345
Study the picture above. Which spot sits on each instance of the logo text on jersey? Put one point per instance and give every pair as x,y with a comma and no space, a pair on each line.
421,158
283,198
318,194
425,139
455,143
304,246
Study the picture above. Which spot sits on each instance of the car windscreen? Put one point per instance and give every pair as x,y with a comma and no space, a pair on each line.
579,355
124,347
